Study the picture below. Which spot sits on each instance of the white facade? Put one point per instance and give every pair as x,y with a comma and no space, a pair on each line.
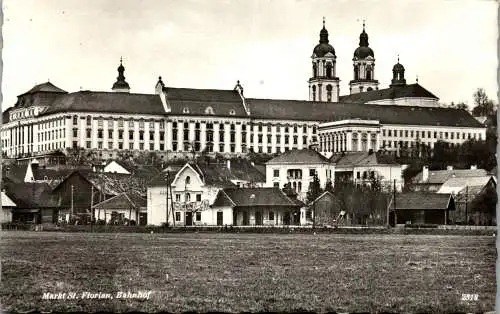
363,135
408,101
299,175
385,173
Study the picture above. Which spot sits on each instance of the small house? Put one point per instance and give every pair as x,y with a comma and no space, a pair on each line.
421,208
255,207
125,207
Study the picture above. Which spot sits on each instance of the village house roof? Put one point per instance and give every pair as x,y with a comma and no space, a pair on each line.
456,185
362,159
323,195
421,201
31,195
245,197
299,156
441,176
126,200
7,201
401,91
215,173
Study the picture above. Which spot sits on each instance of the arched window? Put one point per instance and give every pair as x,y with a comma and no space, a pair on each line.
356,72
188,180
232,112
295,186
315,70
185,110
314,92
188,197
329,70
299,187
369,74
329,92
369,89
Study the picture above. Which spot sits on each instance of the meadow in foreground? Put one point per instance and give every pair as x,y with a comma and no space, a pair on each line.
248,272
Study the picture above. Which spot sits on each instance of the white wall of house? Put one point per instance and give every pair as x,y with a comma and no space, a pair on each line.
106,214
325,172
114,167
6,215
386,173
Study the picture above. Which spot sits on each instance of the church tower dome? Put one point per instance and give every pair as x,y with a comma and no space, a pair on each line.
324,85
363,67
121,85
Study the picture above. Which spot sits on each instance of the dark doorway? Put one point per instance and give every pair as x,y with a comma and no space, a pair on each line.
392,218
235,218
246,221
286,219
219,219
258,218
189,218
143,219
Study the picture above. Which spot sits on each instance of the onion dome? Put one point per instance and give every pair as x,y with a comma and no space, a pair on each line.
323,47
398,67
363,50
120,83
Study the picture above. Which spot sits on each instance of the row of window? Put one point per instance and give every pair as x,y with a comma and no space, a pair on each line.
131,123
51,124
51,135
431,134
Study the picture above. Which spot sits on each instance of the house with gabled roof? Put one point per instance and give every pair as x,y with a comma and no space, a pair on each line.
475,199
7,206
298,167
255,207
35,202
432,180
194,187
124,207
421,208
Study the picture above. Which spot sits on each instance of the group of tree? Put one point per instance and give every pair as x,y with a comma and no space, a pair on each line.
365,202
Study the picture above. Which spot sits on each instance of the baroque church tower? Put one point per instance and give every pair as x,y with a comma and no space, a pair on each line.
364,67
324,84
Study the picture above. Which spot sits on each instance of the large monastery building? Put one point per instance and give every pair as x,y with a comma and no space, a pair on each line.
175,121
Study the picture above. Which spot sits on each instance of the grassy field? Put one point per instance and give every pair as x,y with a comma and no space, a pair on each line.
248,272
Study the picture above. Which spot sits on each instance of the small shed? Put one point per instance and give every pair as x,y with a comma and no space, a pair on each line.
127,206
422,208
7,206
324,211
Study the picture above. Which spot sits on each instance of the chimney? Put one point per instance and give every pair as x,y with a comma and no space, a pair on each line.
425,174
228,162
252,163
449,168
473,167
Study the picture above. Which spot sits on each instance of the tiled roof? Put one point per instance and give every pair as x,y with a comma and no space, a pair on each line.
128,200
455,185
6,115
45,87
294,156
411,90
242,197
15,172
360,159
110,102
218,174
195,101
116,183
31,195
386,114
441,176
421,201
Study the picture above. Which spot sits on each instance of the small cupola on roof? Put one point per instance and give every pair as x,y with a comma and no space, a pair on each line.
121,85
323,47
398,75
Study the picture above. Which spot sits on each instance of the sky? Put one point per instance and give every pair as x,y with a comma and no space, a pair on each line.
266,44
